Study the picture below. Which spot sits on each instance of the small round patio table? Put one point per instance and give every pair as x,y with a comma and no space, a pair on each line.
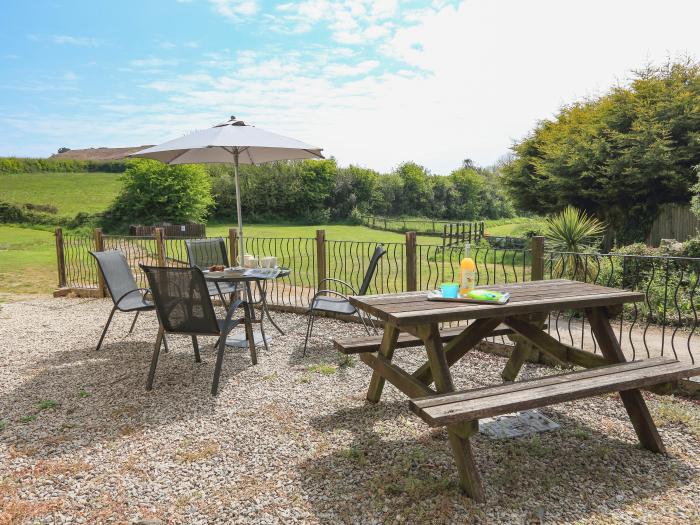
260,280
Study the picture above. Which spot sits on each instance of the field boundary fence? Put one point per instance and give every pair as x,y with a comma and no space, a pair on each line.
426,227
664,324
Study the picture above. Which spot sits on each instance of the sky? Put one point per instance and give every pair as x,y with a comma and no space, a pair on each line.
372,83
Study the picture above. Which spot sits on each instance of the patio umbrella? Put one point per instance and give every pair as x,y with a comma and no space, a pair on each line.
235,142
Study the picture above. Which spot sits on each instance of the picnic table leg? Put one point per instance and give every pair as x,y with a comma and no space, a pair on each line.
458,434
632,399
386,349
523,350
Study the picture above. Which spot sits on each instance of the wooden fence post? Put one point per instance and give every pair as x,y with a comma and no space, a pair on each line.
160,246
60,258
537,264
321,254
100,247
233,246
411,273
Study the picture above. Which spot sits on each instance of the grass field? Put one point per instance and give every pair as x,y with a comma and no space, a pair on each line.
71,193
27,256
27,260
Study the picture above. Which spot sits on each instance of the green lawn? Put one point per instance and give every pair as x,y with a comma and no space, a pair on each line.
71,193
27,256
334,232
27,260
513,227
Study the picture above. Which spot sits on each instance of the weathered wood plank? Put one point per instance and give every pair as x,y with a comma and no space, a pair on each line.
491,402
392,297
460,345
470,479
457,313
634,402
358,345
504,388
424,304
396,376
386,350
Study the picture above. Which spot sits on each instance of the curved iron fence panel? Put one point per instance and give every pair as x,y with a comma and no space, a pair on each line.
664,324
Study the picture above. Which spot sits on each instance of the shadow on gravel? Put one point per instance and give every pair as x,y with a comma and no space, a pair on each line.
555,477
84,397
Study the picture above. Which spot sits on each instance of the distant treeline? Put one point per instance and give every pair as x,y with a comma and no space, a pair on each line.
29,165
319,191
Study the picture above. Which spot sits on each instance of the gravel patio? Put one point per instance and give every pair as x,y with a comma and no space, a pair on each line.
292,440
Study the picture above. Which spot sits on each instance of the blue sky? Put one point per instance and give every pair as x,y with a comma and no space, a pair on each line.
373,83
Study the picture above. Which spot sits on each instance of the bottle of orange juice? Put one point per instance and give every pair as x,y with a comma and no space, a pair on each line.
467,270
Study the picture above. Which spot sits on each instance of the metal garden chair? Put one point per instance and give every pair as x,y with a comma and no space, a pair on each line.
184,307
126,295
203,253
332,301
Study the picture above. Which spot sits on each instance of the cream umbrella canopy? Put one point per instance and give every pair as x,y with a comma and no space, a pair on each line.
234,142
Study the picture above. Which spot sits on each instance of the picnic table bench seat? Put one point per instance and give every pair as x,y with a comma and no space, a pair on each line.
360,345
469,405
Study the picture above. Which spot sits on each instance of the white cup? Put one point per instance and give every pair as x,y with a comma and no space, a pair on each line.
249,261
268,262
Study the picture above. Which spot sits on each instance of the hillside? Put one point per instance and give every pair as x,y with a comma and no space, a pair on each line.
71,193
97,153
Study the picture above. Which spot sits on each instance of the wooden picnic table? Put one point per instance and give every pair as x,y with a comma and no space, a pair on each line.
525,314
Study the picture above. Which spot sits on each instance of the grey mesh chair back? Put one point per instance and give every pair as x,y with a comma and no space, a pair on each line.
182,300
371,269
116,273
125,294
204,253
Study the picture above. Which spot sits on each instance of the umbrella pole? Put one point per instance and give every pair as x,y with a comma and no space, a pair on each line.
238,208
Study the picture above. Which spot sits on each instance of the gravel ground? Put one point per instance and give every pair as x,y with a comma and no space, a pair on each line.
292,440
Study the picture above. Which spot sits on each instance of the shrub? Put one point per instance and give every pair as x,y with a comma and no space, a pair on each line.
47,208
154,192
572,231
21,165
11,213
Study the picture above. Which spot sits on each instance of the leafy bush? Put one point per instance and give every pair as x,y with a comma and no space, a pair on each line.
11,213
47,208
154,192
303,189
28,165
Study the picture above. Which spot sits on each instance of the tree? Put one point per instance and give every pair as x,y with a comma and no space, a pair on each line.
619,156
417,193
153,192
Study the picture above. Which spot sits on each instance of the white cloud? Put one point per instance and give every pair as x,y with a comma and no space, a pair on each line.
153,62
235,10
345,70
350,22
453,82
71,40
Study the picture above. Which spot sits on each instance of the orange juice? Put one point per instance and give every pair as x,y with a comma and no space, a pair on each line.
467,270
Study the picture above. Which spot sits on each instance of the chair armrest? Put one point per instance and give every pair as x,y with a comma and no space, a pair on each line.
331,292
348,285
147,290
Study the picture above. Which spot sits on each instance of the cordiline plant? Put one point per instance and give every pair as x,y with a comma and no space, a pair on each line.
573,233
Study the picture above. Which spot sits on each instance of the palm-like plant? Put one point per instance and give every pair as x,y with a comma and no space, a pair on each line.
571,233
